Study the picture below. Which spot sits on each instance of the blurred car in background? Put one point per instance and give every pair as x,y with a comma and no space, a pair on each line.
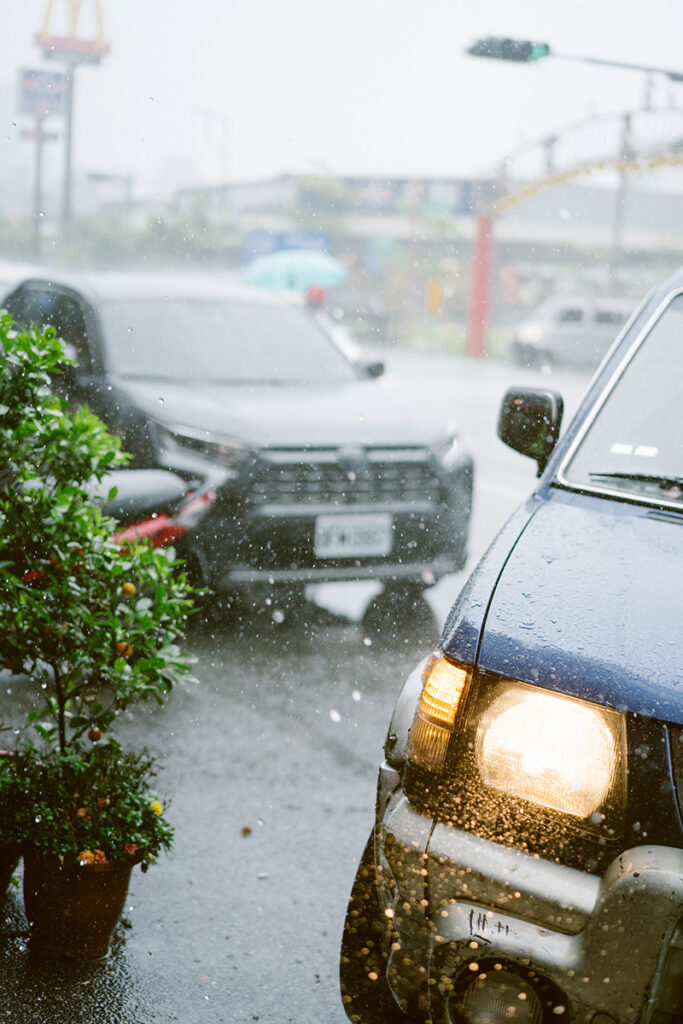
11,274
569,331
526,862
364,314
322,472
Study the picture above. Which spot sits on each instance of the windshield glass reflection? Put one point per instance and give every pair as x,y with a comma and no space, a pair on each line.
634,442
231,342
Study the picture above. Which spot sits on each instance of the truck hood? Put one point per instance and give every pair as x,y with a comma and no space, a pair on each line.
589,604
368,412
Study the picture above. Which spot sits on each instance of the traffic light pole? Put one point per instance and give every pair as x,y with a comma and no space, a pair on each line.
675,76
526,51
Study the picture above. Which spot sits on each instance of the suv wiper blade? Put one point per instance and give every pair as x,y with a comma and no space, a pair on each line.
665,482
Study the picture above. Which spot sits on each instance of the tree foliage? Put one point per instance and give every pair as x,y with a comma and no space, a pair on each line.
95,625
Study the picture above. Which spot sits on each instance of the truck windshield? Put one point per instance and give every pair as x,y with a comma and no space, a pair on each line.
634,444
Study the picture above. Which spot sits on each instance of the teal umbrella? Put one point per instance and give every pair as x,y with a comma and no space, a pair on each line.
295,268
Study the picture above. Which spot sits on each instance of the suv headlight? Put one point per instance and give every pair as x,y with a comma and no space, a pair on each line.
551,750
446,447
530,333
227,451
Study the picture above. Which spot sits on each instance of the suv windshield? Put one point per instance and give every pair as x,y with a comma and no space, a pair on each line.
220,341
635,442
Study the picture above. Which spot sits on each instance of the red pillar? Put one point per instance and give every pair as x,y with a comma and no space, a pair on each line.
480,286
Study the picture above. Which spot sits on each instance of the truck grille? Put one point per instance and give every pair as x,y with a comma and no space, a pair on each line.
676,741
378,477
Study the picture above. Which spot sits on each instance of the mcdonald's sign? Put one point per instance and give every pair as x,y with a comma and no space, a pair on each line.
66,43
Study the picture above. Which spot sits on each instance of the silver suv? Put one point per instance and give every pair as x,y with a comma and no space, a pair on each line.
569,330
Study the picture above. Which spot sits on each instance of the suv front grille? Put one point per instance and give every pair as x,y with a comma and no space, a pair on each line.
380,477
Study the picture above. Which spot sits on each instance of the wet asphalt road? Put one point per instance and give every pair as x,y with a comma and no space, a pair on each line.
279,740
270,762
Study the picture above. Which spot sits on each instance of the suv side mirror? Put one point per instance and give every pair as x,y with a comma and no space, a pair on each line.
371,368
529,422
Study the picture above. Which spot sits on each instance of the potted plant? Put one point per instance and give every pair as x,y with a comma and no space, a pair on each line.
93,626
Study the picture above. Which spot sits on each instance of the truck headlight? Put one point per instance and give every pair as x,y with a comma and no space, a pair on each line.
443,685
551,750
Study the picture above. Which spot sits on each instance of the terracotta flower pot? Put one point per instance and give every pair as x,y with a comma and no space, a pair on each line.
72,910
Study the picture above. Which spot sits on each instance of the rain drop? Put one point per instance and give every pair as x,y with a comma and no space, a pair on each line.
335,716
160,401
356,695
367,641
278,616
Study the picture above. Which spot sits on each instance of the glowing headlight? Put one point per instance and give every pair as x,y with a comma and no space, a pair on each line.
531,333
551,750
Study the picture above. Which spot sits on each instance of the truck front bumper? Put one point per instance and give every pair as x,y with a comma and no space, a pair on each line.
588,949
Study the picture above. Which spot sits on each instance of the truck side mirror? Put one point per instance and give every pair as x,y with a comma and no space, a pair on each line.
529,422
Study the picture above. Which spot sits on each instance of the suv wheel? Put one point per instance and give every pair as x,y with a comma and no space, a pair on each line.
399,613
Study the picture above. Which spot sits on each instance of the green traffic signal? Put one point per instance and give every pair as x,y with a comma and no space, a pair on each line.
539,50
502,48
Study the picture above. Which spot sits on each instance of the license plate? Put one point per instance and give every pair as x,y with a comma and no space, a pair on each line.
349,536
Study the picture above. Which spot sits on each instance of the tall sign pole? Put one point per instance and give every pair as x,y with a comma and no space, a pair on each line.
41,94
73,49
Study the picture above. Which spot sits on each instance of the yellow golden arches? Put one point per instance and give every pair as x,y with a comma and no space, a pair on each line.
73,12
558,178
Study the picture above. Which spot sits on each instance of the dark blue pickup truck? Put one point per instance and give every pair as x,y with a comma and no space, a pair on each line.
526,862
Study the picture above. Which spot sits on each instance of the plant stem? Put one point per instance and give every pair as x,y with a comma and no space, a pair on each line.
61,710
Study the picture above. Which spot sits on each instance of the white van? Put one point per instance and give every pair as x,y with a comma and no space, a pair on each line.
569,330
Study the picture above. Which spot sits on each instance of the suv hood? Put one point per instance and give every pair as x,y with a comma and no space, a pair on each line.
589,604
359,412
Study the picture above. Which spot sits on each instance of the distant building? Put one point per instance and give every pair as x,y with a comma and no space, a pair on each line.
408,240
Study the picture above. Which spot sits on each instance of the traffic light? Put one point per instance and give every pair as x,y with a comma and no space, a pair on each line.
502,48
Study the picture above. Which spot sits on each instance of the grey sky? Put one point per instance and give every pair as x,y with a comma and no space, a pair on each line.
194,91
